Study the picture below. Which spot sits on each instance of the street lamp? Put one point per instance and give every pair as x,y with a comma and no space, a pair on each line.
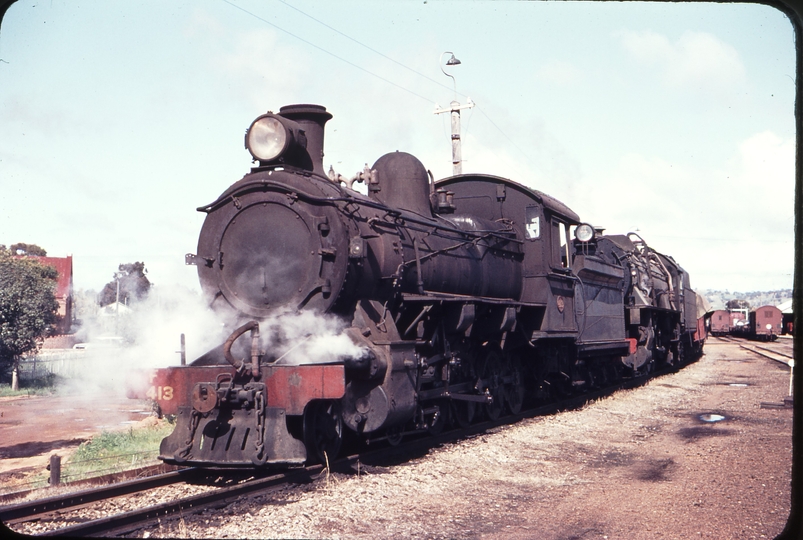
450,62
454,109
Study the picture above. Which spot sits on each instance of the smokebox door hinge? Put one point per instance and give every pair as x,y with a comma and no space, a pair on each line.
190,259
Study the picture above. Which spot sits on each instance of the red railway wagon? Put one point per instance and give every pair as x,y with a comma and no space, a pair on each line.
766,323
720,322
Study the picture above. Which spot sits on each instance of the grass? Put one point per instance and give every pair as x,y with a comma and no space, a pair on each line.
114,451
106,453
40,386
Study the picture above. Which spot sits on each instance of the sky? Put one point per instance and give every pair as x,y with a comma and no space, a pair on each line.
676,120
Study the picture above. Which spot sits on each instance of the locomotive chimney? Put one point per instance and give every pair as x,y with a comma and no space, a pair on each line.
311,118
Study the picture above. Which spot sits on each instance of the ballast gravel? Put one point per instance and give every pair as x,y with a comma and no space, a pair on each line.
640,464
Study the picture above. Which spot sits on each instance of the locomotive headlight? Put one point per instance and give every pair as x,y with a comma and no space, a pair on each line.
584,232
267,138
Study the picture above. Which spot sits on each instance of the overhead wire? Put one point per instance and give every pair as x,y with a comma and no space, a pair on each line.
526,157
352,64
386,57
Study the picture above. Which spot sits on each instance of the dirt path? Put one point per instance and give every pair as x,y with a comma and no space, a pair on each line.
641,464
33,428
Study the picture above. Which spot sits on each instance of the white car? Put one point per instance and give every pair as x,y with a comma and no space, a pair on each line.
102,342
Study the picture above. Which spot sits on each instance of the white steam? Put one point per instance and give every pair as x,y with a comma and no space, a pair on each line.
123,343
306,338
122,340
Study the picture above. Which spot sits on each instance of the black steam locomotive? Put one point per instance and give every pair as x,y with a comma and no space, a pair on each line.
467,297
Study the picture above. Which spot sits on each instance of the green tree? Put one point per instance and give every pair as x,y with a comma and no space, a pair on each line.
28,308
134,285
28,249
738,304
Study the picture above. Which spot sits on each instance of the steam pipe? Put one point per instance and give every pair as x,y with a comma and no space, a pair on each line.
254,327
255,350
418,267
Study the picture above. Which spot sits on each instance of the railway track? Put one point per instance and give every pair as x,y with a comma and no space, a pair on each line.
776,353
42,507
67,508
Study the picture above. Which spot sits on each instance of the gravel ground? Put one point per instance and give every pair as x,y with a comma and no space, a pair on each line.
640,464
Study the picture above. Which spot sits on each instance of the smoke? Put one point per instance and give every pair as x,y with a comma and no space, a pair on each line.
306,338
121,341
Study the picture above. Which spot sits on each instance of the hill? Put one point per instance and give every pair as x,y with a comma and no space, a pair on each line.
718,299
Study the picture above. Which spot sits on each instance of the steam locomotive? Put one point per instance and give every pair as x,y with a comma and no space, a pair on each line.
466,297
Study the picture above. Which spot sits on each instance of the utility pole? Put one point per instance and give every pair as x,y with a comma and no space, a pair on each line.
117,276
454,109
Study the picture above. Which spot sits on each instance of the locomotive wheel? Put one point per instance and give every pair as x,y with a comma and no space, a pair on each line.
494,410
323,430
442,419
559,386
514,390
463,412
394,435
493,383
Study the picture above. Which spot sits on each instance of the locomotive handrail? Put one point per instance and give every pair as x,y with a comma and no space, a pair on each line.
430,296
441,251
371,204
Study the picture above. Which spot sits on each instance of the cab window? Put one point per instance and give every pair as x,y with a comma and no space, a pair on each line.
560,245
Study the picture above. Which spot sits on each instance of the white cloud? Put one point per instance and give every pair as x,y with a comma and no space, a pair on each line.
641,190
202,24
263,68
733,225
761,185
559,72
696,60
768,160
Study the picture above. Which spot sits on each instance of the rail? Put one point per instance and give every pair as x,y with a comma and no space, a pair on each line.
17,512
775,355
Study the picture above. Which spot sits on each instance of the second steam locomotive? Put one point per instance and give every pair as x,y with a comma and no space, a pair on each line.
465,297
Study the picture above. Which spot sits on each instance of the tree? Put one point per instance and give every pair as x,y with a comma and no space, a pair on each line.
28,249
134,285
28,307
738,304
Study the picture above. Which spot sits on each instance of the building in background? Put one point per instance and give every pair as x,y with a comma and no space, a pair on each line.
63,292
788,316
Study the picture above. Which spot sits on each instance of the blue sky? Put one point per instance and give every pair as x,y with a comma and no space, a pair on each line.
677,119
